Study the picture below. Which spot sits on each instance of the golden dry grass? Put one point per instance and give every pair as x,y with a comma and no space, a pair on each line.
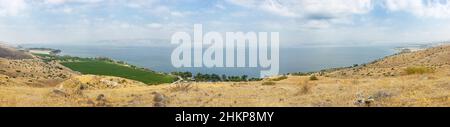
414,90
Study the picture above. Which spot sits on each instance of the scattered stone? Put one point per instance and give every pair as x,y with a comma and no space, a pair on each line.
159,100
90,102
158,97
102,101
365,102
381,94
159,104
101,97
60,93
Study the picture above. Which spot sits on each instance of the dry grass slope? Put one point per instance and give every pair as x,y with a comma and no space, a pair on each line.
11,53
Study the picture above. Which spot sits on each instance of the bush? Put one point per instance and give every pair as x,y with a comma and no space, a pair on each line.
182,87
255,79
299,74
418,70
313,78
279,78
269,83
304,90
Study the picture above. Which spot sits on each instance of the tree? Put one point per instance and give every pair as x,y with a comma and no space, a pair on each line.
224,78
244,78
198,77
184,75
215,78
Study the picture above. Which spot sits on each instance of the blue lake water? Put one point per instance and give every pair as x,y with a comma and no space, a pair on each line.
304,59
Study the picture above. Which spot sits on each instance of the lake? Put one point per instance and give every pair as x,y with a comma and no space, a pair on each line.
302,59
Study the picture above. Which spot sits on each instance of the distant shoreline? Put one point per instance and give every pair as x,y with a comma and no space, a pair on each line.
288,68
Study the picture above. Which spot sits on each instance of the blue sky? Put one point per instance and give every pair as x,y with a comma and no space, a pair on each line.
300,22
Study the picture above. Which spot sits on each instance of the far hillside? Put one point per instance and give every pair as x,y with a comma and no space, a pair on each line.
109,67
11,53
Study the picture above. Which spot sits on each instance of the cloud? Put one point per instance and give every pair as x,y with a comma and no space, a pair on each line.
277,8
57,2
154,25
12,7
309,8
323,20
333,8
421,8
272,6
220,6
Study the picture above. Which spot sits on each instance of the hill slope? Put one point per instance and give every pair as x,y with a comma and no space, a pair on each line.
23,69
435,58
11,53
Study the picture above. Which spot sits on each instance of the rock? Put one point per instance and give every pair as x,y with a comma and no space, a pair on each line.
59,92
90,102
159,100
101,97
158,97
159,104
102,101
381,95
365,102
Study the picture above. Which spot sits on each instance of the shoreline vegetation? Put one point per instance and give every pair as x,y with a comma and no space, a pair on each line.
109,67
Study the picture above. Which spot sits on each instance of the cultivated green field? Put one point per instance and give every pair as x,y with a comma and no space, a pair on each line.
108,67
112,69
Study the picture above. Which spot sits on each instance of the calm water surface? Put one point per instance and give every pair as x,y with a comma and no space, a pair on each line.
303,59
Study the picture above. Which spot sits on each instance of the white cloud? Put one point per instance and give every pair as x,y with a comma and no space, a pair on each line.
177,14
277,8
272,6
220,6
12,7
316,24
154,25
309,8
55,1
333,8
67,10
72,1
422,8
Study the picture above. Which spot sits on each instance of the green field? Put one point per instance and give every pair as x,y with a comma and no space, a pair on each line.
109,67
112,69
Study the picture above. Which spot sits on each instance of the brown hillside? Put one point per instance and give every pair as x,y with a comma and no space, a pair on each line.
11,53
435,58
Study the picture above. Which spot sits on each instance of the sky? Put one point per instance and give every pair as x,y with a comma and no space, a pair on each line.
299,22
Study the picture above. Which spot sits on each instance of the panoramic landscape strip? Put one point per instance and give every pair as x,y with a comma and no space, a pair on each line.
408,78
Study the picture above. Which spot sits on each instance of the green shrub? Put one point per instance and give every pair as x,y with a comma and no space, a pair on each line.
418,70
313,78
269,83
299,74
279,78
